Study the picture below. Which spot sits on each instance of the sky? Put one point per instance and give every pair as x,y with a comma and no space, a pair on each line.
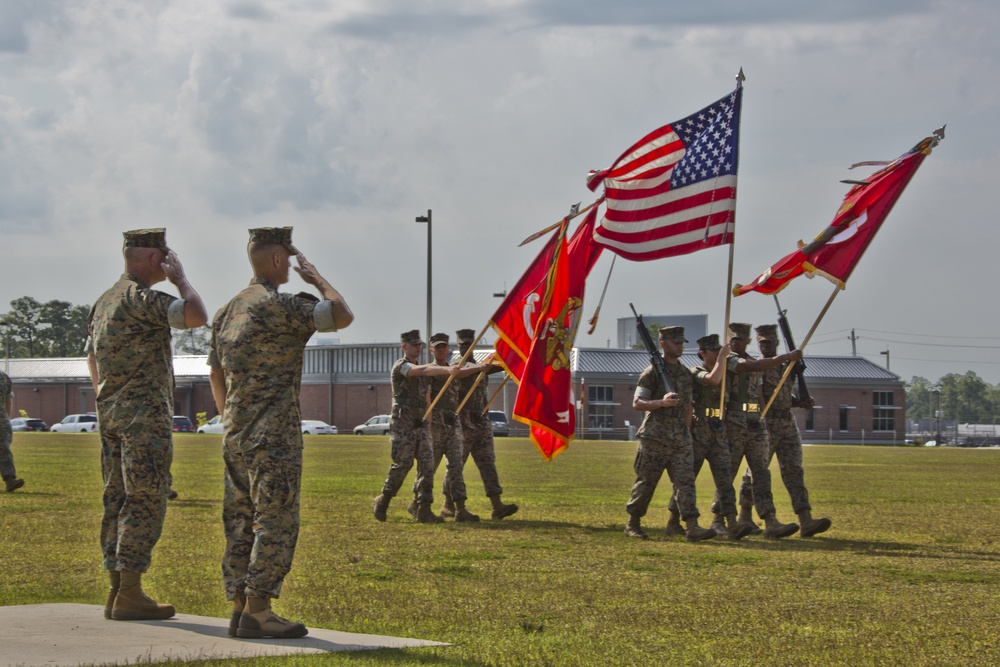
347,119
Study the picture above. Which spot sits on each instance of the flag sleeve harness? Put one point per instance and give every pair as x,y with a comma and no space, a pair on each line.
655,358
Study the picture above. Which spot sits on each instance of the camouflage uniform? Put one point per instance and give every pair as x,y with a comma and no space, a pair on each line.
7,470
709,444
258,340
446,432
477,434
785,441
747,436
409,434
664,444
129,336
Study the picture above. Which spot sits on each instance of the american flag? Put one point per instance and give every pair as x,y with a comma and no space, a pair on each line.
674,192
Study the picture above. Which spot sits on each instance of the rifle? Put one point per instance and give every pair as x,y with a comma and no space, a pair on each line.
800,365
655,357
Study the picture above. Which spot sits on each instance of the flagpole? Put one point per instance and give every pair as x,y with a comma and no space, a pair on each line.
495,394
468,394
788,369
725,328
447,382
593,320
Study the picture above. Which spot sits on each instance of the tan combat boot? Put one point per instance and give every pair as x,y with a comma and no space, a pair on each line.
501,510
696,533
811,526
719,525
461,514
634,528
746,516
131,604
426,515
674,527
380,505
116,582
775,530
257,621
736,529
412,508
234,620
448,508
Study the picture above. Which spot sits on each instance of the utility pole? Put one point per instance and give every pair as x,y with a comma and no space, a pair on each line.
886,353
854,344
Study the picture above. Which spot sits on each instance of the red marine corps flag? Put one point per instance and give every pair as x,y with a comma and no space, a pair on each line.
835,252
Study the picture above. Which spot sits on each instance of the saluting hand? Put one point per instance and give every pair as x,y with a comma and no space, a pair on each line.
171,266
307,271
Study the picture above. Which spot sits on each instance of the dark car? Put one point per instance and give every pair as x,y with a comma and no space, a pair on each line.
28,424
501,425
183,424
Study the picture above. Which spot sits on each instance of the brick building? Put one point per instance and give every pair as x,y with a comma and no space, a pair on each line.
856,400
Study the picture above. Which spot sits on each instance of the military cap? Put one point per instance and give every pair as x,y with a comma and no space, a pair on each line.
465,335
147,238
709,342
739,330
767,332
675,334
411,337
279,235
439,339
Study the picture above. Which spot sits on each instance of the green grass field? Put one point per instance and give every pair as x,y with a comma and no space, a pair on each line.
908,575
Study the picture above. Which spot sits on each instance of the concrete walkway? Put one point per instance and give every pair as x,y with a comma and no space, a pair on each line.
78,634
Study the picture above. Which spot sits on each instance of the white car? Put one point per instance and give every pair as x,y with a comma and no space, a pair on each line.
316,427
76,424
214,426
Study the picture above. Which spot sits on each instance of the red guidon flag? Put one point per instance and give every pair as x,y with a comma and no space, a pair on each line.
674,191
835,252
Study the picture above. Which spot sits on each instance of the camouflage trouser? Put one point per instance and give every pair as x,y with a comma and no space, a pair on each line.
446,431
653,457
260,517
6,458
477,432
713,447
135,464
787,444
751,442
410,442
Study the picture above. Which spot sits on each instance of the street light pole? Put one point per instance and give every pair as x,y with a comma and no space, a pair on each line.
428,332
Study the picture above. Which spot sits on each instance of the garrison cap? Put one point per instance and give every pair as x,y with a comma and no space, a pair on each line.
767,332
709,342
739,330
465,335
675,334
279,235
411,337
147,238
439,339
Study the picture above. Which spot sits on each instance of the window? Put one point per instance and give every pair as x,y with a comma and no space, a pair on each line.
883,411
843,417
600,406
811,420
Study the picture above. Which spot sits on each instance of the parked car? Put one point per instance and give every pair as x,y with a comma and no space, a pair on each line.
28,424
183,424
377,425
316,427
214,425
501,425
86,423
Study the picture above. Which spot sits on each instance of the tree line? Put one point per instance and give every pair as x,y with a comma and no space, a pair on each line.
967,399
32,329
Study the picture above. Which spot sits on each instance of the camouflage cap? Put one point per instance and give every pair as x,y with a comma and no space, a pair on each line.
278,235
675,334
767,332
147,238
465,335
709,342
439,339
739,330
411,337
